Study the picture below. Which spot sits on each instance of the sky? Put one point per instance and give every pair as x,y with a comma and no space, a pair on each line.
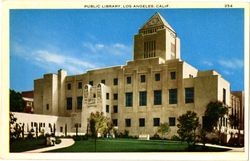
44,41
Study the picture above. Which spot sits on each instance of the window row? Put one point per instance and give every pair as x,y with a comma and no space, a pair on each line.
157,77
78,103
128,80
141,122
40,125
79,85
115,109
173,97
115,96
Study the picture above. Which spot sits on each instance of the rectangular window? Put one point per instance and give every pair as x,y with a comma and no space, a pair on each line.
79,85
128,122
69,86
115,96
107,108
157,77
47,106
156,121
189,95
31,124
173,75
224,95
149,48
141,122
79,102
43,124
143,98
61,129
173,96
157,97
103,81
128,80
143,78
115,108
129,99
91,83
115,122
107,96
69,103
171,121
115,81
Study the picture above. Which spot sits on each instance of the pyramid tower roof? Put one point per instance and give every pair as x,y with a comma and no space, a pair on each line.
156,20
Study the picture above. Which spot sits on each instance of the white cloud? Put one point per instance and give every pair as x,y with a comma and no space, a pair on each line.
45,56
100,46
56,61
226,72
17,48
52,61
112,49
208,63
232,63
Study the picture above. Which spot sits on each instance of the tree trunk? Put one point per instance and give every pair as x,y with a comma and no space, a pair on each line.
76,129
95,142
23,131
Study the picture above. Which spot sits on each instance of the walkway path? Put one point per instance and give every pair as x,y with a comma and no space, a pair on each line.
225,147
65,142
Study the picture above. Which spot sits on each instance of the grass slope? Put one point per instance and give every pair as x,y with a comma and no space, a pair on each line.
132,145
21,145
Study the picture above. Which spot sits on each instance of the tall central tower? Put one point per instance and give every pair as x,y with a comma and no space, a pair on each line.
156,38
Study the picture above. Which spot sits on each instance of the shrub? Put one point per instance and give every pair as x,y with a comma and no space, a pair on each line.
30,135
58,141
175,138
155,137
126,134
80,137
214,141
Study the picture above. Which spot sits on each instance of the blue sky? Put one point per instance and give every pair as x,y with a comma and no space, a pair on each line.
44,41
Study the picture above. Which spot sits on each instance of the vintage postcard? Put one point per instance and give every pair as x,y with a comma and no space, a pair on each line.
125,80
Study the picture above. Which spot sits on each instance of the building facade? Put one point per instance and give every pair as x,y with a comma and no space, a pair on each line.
157,86
28,97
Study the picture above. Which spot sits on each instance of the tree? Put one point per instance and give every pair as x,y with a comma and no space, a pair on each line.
163,129
98,123
15,128
188,123
17,104
235,122
214,111
203,136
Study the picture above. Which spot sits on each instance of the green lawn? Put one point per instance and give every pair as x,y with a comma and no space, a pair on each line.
131,145
21,145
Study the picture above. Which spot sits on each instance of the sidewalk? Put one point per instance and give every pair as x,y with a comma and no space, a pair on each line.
65,142
233,149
